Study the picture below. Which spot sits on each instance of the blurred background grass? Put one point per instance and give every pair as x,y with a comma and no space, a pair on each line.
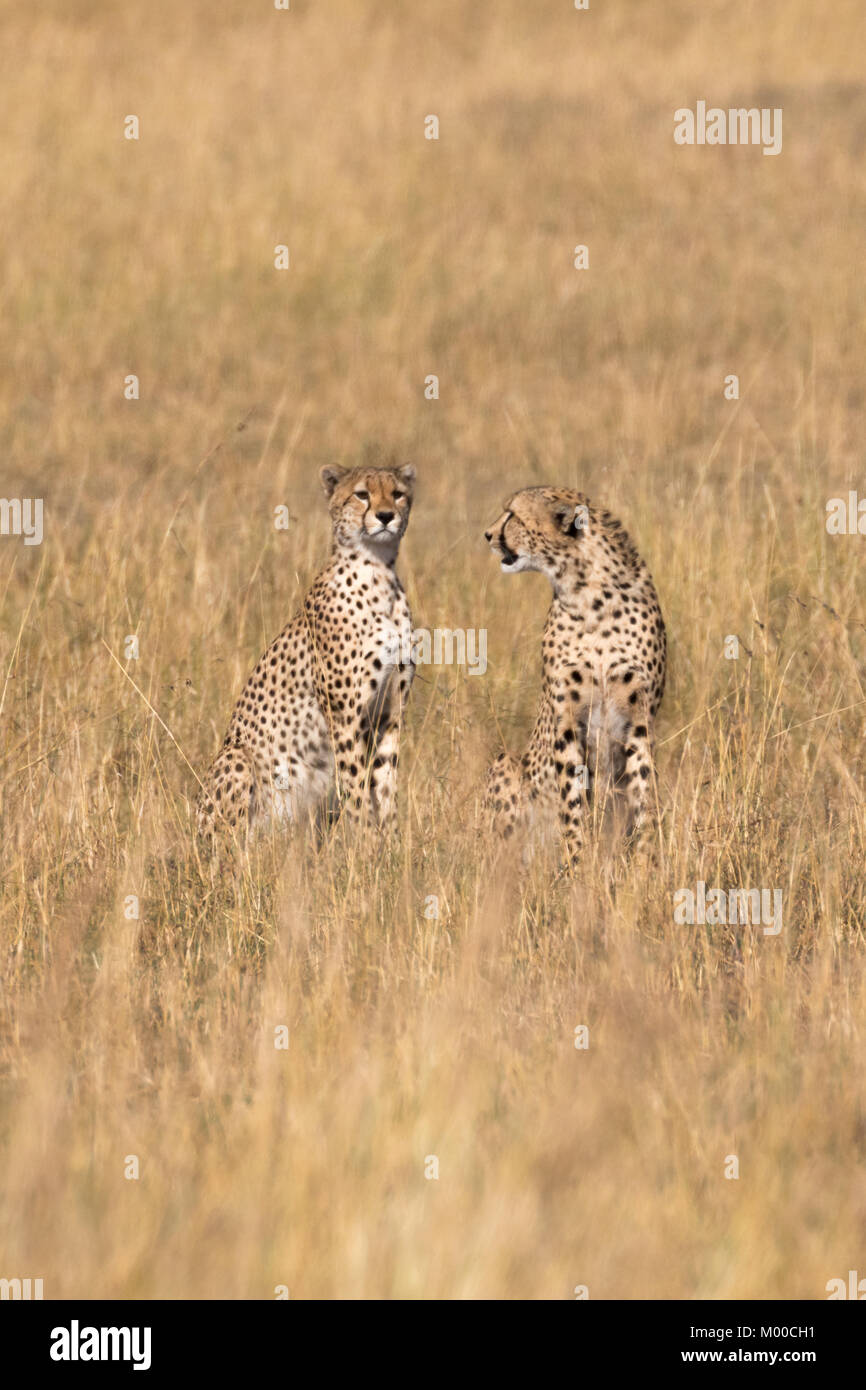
413,1036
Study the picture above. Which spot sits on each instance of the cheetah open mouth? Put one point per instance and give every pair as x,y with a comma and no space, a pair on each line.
507,556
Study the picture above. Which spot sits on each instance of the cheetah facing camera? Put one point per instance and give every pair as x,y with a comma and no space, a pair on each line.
325,704
603,659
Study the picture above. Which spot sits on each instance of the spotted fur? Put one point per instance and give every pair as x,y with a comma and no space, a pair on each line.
323,708
603,665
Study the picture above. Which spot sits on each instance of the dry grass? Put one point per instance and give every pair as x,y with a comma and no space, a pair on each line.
410,1036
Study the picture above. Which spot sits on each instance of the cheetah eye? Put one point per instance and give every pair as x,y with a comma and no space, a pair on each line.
398,496
362,493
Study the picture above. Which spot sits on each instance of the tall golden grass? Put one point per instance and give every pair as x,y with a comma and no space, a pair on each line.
411,1035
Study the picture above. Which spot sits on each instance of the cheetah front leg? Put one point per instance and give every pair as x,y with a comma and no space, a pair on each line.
367,773
383,775
350,762
227,798
638,776
505,796
385,748
572,778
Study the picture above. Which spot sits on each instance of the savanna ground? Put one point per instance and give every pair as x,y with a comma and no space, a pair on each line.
411,1035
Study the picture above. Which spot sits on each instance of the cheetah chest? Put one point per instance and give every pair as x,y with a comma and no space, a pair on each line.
388,655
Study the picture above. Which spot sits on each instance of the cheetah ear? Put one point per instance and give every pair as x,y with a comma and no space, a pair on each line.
571,520
406,474
563,516
331,475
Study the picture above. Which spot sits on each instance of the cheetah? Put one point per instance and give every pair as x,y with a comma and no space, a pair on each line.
603,659
323,709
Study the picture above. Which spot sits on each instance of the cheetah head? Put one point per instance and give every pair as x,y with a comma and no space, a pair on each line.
369,506
542,528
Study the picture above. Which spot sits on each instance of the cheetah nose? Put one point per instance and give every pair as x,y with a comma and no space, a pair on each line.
488,536
384,517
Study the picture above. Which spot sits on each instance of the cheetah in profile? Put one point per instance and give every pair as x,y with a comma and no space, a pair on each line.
603,660
323,708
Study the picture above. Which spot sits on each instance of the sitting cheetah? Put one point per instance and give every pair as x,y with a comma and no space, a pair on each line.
603,659
326,701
